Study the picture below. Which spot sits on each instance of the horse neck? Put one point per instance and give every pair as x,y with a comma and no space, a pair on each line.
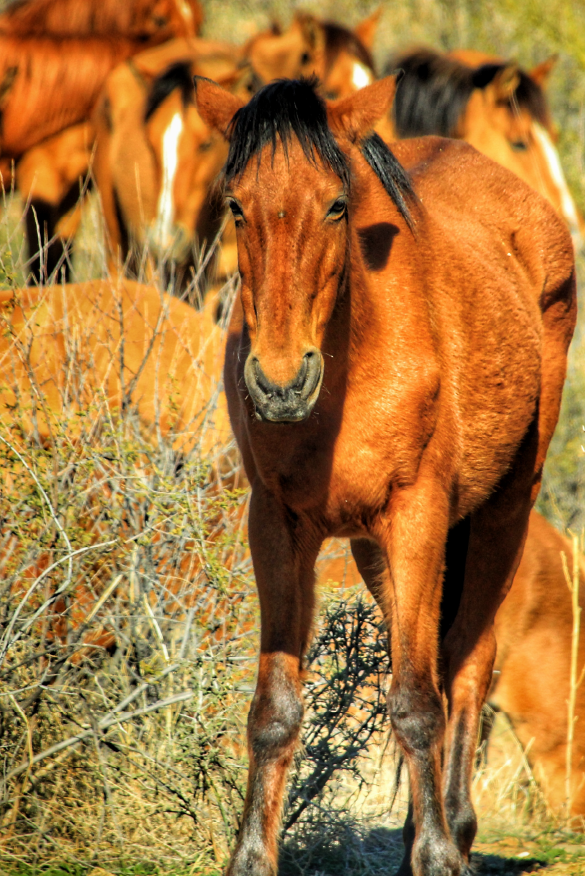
376,233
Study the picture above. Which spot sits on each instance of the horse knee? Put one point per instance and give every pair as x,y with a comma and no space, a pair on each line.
417,719
275,718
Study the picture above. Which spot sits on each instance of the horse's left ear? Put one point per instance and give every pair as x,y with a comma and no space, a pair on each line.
540,74
365,31
356,115
216,106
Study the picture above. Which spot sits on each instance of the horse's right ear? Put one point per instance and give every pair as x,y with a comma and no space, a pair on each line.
366,29
355,116
542,71
215,105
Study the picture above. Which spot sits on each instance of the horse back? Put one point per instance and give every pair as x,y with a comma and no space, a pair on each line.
458,184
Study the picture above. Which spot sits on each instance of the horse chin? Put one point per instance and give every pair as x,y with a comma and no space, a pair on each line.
275,413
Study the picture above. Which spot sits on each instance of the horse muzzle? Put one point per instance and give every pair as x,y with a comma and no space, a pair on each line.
173,244
288,403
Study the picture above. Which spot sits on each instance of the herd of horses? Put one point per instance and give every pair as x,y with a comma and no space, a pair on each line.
394,362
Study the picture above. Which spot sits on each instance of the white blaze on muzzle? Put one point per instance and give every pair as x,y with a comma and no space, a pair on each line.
568,208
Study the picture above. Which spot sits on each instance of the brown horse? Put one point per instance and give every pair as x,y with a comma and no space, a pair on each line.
109,343
156,158
341,58
393,373
532,670
148,21
492,104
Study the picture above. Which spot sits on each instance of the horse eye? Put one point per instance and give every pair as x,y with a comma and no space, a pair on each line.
204,147
306,58
519,146
237,211
337,209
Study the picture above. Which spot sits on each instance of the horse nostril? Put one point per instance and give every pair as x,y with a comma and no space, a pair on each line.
262,381
311,372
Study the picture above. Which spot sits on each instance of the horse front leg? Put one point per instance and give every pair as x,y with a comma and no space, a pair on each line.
413,541
284,555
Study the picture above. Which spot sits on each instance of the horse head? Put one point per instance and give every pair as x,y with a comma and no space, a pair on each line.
339,57
508,119
288,186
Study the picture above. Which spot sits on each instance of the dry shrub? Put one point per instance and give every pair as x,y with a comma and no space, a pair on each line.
128,637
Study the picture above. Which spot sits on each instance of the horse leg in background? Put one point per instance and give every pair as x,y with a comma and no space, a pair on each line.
50,179
284,556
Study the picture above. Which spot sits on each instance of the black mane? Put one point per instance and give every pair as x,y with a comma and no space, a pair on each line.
435,90
291,107
178,75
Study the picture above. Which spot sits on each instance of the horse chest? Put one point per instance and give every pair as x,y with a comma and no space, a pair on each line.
342,474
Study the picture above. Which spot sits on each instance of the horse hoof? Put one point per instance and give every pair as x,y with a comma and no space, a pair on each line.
437,857
250,862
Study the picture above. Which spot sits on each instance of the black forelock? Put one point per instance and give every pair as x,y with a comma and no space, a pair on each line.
339,39
290,107
178,75
278,111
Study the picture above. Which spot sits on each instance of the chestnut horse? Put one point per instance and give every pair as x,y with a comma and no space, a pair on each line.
156,158
492,104
66,348
393,372
532,671
145,20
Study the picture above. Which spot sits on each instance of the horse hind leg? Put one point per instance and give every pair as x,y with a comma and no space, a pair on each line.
496,540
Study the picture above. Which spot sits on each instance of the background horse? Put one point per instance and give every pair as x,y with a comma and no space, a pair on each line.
55,56
109,343
156,160
494,105
532,671
149,21
340,58
393,374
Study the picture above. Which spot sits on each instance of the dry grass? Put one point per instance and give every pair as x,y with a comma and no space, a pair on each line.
132,757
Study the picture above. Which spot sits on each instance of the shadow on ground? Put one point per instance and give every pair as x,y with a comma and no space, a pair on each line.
344,847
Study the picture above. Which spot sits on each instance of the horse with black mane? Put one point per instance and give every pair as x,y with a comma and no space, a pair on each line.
394,369
491,103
